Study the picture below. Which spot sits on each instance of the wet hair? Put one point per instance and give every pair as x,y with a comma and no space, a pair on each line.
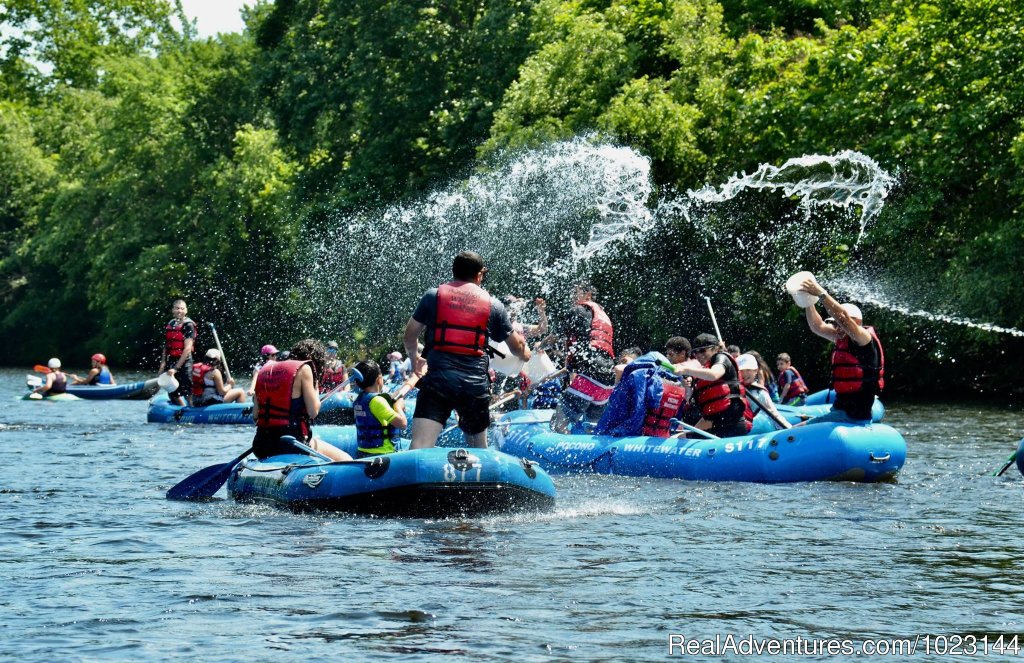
311,350
370,372
586,286
704,341
784,356
733,349
679,344
633,352
467,265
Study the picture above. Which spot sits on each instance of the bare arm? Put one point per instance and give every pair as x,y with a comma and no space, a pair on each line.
218,382
541,328
308,390
413,329
856,332
711,374
89,376
400,420
517,344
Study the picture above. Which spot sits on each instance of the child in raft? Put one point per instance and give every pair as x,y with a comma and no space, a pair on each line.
379,421
792,389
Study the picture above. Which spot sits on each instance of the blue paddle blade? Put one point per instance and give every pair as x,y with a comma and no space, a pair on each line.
205,483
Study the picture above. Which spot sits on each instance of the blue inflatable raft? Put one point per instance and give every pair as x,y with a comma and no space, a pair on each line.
818,452
337,409
796,414
134,390
162,411
426,483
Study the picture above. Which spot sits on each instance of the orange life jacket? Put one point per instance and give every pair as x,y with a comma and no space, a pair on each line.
463,313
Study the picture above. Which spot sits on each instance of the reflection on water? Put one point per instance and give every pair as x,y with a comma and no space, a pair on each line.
98,565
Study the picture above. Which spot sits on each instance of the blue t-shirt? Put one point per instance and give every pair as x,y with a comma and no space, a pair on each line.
455,373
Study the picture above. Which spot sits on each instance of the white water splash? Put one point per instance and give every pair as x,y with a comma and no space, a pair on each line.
842,180
863,291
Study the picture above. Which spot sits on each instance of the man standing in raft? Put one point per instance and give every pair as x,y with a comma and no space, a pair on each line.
858,363
459,317
179,341
590,357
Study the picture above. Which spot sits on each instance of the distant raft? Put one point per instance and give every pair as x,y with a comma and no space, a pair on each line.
425,483
162,411
134,390
817,452
33,396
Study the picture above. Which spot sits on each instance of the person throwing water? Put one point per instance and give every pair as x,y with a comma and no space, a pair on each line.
858,361
590,357
458,318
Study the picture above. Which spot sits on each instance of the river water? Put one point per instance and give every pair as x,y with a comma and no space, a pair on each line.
97,565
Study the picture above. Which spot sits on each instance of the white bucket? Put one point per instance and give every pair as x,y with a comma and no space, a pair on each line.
539,367
167,382
510,365
802,299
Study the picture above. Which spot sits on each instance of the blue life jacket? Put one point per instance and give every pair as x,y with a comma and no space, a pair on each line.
102,378
638,392
371,435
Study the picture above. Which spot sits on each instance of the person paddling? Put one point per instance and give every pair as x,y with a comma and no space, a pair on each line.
287,400
858,361
757,394
208,385
718,391
459,317
98,374
56,381
379,421
179,340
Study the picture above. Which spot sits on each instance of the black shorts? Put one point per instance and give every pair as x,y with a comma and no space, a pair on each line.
437,405
268,442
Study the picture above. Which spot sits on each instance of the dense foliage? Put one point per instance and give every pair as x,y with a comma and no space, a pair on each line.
139,163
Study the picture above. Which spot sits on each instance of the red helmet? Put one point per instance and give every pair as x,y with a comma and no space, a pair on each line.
100,358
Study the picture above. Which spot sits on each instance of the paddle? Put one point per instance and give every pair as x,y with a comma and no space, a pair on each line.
1009,462
693,429
206,482
39,368
718,332
223,359
353,374
779,421
33,380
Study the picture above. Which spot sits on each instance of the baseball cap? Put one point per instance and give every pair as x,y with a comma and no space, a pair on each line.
852,310
746,362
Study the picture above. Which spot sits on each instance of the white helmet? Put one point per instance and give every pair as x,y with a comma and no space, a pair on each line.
53,363
213,353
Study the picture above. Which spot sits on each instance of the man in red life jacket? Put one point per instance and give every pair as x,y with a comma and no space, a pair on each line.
458,317
858,362
179,340
590,359
717,391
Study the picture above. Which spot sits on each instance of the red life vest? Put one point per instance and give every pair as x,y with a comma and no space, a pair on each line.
601,330
463,313
849,375
332,378
174,337
797,387
274,396
199,372
656,422
715,396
